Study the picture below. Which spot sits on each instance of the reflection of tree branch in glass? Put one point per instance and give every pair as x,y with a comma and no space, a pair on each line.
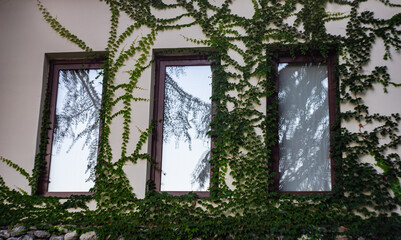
304,133
187,116
76,127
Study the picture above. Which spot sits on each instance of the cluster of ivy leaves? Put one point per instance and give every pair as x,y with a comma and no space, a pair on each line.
363,199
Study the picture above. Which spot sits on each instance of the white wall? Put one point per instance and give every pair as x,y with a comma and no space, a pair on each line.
25,38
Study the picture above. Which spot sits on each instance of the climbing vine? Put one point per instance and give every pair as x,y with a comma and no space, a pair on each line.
363,200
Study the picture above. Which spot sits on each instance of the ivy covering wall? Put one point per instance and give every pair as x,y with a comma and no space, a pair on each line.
363,199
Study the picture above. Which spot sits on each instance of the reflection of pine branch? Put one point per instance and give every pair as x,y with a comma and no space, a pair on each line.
304,127
201,173
183,112
90,90
81,105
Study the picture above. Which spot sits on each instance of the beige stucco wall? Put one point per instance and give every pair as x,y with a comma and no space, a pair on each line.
24,41
25,38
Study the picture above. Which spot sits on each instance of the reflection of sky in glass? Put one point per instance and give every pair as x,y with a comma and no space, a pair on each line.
68,168
180,160
304,134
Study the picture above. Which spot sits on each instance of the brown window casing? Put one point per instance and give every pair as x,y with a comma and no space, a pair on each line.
332,98
55,67
158,114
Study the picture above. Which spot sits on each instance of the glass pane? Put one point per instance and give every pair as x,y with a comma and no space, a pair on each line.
304,134
187,115
76,130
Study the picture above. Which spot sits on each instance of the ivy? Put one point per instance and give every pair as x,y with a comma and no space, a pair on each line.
363,200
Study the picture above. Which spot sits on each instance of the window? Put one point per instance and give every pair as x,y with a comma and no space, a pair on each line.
75,94
181,145
307,108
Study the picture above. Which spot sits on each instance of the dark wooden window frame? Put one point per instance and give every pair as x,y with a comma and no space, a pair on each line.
55,67
158,114
332,91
